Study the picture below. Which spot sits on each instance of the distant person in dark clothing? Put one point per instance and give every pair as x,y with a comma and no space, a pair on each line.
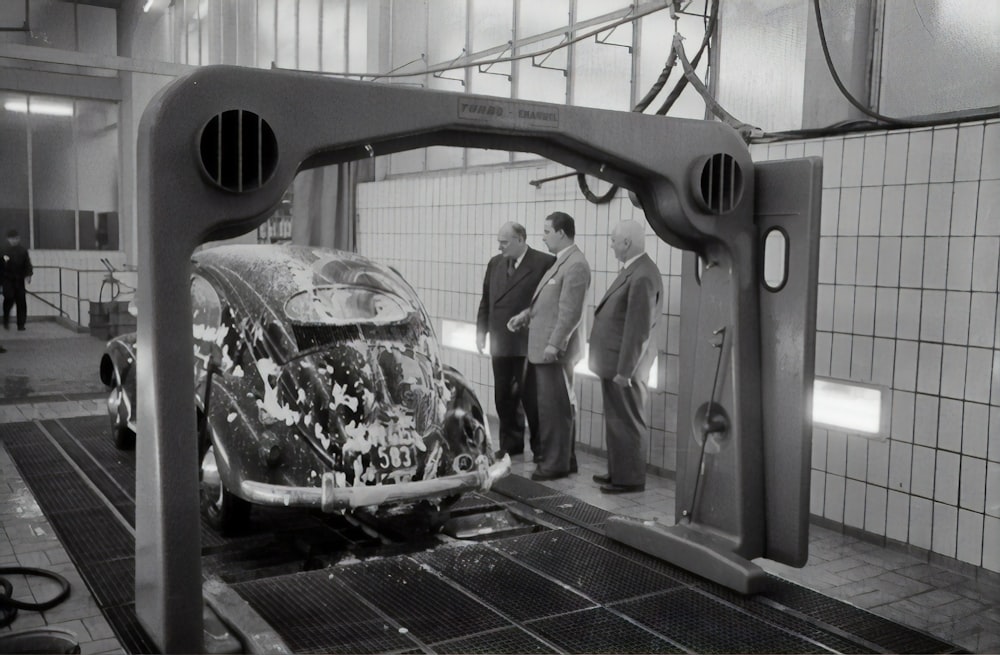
16,274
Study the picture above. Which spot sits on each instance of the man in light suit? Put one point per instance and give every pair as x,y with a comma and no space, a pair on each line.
554,347
621,354
511,278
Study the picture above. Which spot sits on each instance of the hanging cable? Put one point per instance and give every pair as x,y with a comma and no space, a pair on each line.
840,85
745,129
658,85
675,93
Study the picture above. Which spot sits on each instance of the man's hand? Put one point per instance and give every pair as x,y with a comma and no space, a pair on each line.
480,342
622,381
27,280
551,354
518,321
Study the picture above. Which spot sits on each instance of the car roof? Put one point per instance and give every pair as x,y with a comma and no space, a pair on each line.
278,271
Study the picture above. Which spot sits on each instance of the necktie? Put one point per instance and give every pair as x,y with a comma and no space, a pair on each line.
510,267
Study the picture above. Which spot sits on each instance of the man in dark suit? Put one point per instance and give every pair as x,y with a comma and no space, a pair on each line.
621,353
16,273
511,278
554,347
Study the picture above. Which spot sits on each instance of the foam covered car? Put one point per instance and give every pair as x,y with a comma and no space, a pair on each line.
318,383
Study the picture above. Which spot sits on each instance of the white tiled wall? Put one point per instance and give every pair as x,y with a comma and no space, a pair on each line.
439,231
907,298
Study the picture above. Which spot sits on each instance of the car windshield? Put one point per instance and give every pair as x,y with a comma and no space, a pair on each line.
343,304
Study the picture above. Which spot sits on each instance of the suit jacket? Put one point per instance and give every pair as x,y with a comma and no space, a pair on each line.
557,307
503,297
624,322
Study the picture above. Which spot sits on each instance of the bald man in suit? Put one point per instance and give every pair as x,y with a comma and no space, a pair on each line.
621,354
510,281
555,345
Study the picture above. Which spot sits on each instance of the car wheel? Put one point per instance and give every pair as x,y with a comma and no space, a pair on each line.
226,513
118,412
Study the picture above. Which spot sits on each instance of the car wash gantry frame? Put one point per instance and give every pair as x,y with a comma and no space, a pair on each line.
218,148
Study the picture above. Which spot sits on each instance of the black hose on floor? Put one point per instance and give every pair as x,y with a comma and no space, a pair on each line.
9,606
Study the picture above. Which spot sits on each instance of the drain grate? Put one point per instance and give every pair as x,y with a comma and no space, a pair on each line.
597,630
100,546
887,634
601,575
508,640
430,608
129,631
94,534
574,510
112,582
700,623
523,489
314,613
472,503
514,590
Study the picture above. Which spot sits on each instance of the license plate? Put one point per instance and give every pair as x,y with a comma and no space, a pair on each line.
392,458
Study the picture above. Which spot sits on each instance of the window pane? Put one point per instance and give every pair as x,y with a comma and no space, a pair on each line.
97,171
335,35
358,33
309,34
192,26
286,35
587,9
265,33
446,42
602,73
409,44
14,164
246,30
96,29
544,79
951,66
53,172
491,25
13,17
52,24
763,60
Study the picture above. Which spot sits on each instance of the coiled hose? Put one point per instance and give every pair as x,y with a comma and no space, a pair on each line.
9,606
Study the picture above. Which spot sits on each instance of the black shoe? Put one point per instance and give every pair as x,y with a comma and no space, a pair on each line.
622,488
543,476
2,349
573,468
602,479
20,328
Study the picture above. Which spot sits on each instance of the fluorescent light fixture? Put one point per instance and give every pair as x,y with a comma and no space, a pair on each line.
146,7
459,335
583,369
462,336
39,107
851,407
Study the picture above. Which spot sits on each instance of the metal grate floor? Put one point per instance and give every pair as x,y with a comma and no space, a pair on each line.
564,588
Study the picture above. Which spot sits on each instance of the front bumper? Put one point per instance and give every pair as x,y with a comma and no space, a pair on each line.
331,498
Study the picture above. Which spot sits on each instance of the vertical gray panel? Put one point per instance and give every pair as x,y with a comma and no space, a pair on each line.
788,196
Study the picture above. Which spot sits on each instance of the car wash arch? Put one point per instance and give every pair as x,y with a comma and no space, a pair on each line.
218,148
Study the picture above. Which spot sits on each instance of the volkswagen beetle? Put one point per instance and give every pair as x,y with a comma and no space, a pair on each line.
318,383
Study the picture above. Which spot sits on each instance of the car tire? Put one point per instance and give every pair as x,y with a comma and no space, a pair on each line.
118,412
226,513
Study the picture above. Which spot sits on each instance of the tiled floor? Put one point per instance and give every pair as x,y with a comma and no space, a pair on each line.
27,539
